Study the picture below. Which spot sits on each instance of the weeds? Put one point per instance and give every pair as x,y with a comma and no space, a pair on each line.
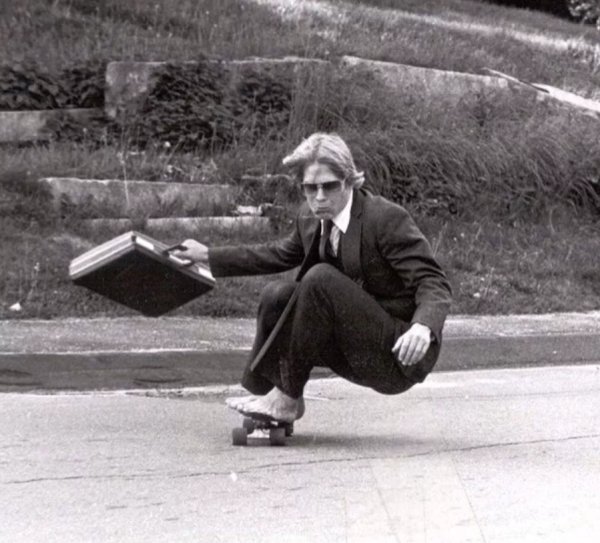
527,267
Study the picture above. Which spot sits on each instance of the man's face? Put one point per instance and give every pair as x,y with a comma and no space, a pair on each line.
325,192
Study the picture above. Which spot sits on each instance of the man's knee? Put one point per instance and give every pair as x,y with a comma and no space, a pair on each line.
321,275
276,294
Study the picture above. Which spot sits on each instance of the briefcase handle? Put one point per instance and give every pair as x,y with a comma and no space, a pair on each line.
172,248
166,252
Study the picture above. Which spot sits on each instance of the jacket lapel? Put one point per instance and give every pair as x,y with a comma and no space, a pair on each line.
312,255
350,241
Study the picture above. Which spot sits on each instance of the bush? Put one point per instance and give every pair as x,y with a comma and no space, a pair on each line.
586,11
94,131
24,87
196,106
29,87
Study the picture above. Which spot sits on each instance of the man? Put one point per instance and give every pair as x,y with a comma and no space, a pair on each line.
369,300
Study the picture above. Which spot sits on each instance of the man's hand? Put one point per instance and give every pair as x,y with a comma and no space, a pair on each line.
411,346
192,251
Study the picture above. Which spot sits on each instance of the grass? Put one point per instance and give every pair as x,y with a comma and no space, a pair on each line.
507,189
462,35
74,31
494,268
526,267
469,36
67,159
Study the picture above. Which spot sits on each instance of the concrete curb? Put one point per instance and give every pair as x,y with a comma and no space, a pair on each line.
113,354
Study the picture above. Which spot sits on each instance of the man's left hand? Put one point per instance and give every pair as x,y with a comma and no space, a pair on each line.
411,346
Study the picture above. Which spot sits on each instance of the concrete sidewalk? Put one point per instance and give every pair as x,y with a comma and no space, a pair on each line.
178,352
494,456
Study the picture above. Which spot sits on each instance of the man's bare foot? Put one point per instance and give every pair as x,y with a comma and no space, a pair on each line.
237,402
276,404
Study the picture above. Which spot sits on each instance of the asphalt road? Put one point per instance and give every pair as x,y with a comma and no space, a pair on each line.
492,455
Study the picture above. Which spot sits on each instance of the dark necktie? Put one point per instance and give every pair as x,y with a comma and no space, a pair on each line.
327,226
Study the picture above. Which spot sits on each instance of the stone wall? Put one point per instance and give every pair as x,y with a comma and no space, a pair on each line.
117,198
28,126
427,83
128,83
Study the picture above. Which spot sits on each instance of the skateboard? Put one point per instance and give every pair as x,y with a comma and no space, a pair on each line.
277,431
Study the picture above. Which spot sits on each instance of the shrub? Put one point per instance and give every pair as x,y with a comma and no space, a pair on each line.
25,87
196,106
29,87
586,11
94,131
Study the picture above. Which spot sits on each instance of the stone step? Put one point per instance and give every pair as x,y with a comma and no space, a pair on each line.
403,80
30,126
130,199
128,83
201,228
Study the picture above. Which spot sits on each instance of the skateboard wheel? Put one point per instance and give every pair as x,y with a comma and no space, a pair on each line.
289,429
239,436
249,425
277,436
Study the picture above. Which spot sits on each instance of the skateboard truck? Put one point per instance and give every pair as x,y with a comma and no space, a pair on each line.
277,430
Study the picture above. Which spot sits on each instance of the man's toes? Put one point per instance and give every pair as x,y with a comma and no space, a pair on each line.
253,406
235,403
272,411
231,402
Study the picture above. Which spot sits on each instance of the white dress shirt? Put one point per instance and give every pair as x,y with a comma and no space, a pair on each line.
340,225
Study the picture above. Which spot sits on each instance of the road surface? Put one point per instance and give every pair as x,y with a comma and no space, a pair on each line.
505,455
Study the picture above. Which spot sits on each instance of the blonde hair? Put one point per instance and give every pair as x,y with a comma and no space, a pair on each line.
328,149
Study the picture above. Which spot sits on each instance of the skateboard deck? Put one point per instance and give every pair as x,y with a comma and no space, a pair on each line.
256,426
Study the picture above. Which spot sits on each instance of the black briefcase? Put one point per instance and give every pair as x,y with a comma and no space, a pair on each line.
137,271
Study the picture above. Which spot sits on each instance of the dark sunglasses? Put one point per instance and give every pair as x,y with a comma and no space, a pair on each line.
328,187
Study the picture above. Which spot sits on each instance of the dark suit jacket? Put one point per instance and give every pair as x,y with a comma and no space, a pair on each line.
383,251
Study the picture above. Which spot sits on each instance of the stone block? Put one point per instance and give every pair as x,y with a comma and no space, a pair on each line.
30,126
428,83
128,83
200,228
115,198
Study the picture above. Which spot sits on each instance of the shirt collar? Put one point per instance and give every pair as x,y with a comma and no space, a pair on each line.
342,219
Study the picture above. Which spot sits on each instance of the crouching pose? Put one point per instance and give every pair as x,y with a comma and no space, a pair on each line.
369,300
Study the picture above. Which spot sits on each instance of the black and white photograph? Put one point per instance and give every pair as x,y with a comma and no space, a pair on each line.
300,271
